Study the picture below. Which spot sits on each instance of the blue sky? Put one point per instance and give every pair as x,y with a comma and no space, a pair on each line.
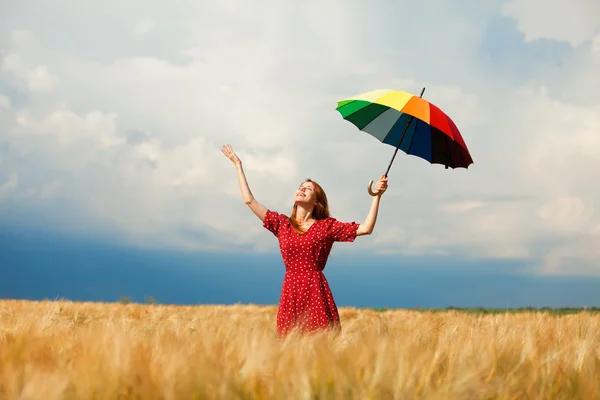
112,118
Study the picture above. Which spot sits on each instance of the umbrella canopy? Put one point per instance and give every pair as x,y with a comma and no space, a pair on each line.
386,114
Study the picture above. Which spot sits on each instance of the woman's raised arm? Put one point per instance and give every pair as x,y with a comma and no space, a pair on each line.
258,209
366,228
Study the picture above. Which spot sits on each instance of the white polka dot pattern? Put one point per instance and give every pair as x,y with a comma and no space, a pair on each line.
306,301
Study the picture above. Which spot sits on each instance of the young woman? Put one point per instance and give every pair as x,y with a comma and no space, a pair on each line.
305,241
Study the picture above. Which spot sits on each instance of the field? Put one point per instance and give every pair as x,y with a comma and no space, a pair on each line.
65,350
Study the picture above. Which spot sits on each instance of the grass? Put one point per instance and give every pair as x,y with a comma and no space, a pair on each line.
481,310
67,350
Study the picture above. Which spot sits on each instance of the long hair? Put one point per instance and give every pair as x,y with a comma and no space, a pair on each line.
321,210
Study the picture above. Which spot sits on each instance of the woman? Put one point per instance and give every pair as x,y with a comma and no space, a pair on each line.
305,241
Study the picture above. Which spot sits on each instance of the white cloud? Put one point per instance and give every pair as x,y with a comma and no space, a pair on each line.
577,256
596,44
37,79
462,206
5,103
143,26
574,21
129,128
7,187
48,190
565,213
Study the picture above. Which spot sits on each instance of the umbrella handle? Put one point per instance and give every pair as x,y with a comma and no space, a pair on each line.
370,189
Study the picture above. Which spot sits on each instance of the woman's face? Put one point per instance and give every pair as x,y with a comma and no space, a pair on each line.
306,195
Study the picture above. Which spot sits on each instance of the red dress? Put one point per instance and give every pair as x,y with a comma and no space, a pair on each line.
306,300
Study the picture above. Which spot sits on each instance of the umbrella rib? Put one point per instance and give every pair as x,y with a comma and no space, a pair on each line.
412,139
449,158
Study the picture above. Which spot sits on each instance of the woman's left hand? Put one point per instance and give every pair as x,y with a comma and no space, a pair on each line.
381,185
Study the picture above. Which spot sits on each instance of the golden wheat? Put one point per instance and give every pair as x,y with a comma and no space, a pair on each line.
65,350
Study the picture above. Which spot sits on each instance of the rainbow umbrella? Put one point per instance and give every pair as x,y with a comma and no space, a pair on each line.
409,123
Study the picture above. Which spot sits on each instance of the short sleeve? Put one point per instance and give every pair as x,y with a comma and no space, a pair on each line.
342,231
272,221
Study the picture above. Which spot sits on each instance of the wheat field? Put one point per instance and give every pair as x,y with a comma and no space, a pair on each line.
67,350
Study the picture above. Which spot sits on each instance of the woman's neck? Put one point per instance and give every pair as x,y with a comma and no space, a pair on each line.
303,215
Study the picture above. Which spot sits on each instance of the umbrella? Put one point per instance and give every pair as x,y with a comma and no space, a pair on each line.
408,123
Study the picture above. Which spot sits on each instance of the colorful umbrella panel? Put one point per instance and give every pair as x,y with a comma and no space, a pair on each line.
431,135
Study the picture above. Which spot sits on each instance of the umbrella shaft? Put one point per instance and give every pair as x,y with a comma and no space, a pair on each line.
398,146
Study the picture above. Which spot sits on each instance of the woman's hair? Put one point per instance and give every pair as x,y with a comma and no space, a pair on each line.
321,210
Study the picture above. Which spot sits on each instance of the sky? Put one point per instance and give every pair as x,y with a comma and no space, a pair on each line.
112,117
